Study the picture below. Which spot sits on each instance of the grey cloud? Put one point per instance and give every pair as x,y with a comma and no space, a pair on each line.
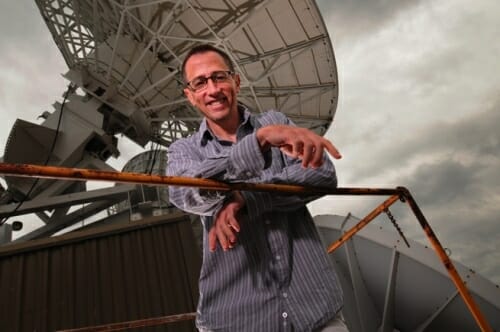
473,238
356,17
451,168
454,66
469,230
441,183
463,185
427,119
475,136
30,65
21,22
462,205
25,33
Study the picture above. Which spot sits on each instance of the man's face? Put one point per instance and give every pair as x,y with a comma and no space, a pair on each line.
217,101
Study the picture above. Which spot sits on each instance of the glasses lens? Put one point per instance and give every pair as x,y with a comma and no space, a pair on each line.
220,76
200,83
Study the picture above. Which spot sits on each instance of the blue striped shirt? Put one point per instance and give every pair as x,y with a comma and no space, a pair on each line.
278,276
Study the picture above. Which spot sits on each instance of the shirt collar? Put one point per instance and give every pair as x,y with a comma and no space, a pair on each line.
206,133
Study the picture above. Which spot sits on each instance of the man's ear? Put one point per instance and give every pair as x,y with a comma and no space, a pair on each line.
189,95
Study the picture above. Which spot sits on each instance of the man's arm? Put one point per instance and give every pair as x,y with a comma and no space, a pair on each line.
307,164
322,174
226,225
305,159
185,160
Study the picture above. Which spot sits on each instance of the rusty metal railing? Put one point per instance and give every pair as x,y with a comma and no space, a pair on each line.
399,193
136,323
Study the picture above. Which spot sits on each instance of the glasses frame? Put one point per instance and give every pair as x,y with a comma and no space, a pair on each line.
212,77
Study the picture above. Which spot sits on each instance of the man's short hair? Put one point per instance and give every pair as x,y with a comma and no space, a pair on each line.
203,48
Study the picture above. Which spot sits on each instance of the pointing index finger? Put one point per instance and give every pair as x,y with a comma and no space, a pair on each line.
332,150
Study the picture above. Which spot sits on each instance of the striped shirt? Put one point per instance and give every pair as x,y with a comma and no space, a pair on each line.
278,277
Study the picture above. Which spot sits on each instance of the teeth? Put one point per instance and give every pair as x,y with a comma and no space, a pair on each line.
215,102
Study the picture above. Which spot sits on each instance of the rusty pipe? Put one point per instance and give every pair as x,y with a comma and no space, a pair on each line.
362,223
448,264
136,323
81,174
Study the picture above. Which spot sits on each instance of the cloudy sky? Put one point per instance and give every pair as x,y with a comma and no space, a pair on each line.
419,106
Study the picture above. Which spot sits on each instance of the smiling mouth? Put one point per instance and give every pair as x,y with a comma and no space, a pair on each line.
218,101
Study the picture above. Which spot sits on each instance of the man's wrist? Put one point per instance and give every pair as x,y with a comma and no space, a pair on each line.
238,197
260,134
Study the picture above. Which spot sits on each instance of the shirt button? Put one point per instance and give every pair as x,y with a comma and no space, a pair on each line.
278,257
285,294
284,315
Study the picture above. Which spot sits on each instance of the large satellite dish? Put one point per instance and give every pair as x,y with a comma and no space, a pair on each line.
128,54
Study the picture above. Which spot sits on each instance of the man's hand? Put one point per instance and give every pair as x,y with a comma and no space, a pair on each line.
298,143
226,224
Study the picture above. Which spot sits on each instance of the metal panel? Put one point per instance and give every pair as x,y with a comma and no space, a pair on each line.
422,295
100,276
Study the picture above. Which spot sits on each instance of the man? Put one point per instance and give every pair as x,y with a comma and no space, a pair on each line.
264,267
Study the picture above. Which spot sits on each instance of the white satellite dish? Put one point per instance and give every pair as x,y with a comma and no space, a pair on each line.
129,53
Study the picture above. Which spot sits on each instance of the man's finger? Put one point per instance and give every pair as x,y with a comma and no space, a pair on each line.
212,239
317,158
298,149
307,154
332,150
286,149
221,236
228,234
234,224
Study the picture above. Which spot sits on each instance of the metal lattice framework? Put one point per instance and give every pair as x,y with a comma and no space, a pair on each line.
128,52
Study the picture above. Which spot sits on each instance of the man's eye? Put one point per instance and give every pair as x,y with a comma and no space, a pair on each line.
220,76
198,82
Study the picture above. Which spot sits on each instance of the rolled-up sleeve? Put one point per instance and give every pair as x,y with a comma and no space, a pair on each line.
184,160
242,161
245,160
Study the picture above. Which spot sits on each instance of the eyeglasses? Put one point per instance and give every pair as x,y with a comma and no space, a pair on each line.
200,82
